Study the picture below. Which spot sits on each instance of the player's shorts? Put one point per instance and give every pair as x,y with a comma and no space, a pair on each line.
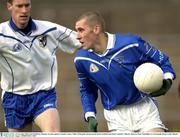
138,117
21,110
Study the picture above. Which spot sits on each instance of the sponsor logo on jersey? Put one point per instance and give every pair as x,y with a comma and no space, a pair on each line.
17,47
43,40
93,68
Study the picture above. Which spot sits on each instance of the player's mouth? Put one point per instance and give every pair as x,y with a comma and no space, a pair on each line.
24,17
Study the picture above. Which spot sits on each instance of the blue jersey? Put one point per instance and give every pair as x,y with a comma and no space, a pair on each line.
112,73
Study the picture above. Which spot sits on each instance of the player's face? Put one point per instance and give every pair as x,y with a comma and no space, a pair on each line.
20,12
85,34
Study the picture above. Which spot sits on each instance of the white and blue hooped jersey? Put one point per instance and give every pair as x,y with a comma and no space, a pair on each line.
27,61
112,72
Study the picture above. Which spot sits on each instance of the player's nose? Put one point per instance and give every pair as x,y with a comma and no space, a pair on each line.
78,37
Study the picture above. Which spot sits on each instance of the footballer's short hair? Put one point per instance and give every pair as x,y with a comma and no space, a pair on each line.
94,17
10,1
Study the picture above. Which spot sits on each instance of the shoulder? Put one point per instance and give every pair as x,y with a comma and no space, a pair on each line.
47,25
44,23
4,23
43,27
128,38
3,26
82,53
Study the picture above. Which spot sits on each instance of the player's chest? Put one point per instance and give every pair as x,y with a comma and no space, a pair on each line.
110,66
113,61
23,46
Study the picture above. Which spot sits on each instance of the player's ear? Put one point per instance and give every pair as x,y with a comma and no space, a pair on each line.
9,6
97,29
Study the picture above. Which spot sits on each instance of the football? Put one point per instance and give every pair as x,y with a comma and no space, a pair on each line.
148,77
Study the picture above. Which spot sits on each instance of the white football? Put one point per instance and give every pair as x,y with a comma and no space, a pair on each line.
148,77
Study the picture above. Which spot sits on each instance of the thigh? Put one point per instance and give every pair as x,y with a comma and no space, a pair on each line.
46,115
48,121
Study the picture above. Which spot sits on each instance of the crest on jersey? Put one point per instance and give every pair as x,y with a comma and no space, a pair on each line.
93,68
43,40
17,47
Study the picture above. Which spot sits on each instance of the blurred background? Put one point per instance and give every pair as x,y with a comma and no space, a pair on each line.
157,21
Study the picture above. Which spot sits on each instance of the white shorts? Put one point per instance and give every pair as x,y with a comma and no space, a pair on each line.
138,117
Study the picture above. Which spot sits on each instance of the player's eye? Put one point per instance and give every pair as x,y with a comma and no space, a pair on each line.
27,5
80,29
19,6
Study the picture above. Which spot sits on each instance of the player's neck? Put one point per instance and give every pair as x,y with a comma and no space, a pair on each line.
101,46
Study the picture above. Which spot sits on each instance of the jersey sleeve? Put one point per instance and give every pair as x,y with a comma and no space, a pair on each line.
88,90
66,38
154,55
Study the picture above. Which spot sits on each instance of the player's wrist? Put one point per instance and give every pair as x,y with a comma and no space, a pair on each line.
169,81
89,114
90,118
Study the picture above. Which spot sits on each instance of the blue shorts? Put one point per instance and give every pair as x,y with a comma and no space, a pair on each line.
21,110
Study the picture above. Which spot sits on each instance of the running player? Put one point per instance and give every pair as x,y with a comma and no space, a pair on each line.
28,68
106,63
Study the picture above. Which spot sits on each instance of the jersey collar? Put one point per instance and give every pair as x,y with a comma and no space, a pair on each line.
110,44
30,27
111,41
